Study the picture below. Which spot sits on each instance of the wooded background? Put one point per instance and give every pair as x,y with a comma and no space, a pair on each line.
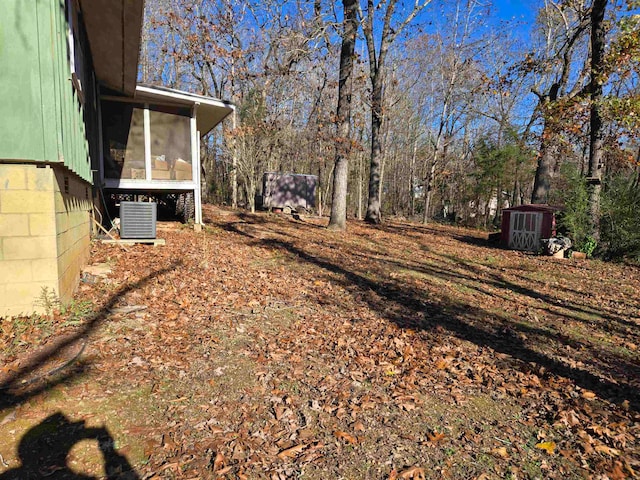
448,111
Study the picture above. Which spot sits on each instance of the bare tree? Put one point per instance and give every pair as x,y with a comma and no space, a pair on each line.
393,23
343,142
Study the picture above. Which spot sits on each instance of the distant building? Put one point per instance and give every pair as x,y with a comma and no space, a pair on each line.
289,190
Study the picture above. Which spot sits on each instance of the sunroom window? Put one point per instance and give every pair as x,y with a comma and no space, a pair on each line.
124,126
123,130
170,146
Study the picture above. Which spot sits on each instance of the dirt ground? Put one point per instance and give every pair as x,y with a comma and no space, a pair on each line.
268,347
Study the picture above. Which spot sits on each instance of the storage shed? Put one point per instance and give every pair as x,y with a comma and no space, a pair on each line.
289,190
525,225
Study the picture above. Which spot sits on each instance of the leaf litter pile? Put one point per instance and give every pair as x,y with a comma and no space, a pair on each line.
269,347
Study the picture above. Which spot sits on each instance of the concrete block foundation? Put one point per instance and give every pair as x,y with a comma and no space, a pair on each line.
45,215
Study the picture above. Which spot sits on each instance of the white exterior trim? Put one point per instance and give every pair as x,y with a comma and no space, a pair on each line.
147,142
199,181
195,165
524,230
191,98
151,185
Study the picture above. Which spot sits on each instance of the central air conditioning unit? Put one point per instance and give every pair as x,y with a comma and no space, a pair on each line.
138,220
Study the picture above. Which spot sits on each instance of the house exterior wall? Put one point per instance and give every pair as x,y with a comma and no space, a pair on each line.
44,236
48,133
73,229
28,253
42,119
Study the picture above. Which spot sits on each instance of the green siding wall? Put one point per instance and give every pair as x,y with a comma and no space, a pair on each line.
41,118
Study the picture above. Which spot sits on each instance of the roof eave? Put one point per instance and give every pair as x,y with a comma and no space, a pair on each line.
114,29
210,112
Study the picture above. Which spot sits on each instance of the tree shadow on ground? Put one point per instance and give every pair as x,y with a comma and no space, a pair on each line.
32,377
411,310
474,278
462,320
45,448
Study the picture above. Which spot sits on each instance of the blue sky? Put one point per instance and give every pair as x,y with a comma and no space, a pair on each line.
515,9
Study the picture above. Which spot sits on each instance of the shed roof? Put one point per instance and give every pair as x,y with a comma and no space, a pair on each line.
210,112
542,207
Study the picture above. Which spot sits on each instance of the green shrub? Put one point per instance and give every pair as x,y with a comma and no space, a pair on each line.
620,217
574,220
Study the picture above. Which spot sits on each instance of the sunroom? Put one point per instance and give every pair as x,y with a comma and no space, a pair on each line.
151,142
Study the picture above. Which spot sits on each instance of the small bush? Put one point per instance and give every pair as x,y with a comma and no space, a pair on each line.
574,220
620,218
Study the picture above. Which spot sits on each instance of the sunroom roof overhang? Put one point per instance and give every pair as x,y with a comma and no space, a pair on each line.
114,30
209,113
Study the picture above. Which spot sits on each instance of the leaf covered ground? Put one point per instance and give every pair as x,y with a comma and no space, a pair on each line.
269,347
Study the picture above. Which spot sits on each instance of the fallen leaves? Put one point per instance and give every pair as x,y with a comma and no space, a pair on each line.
548,447
435,437
500,452
413,473
294,351
291,452
612,452
346,437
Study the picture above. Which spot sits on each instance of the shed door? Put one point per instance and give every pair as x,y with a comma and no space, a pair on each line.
525,229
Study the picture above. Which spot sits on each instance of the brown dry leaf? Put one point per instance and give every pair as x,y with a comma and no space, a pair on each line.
346,437
279,411
441,364
549,447
589,395
224,471
393,475
617,473
435,437
612,452
292,452
500,452
358,427
219,462
415,473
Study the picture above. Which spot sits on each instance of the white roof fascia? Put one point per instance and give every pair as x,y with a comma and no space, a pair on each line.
191,98
207,104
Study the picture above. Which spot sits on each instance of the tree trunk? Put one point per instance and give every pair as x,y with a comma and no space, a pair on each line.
319,187
412,187
373,206
338,220
596,140
251,195
544,172
360,183
428,190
